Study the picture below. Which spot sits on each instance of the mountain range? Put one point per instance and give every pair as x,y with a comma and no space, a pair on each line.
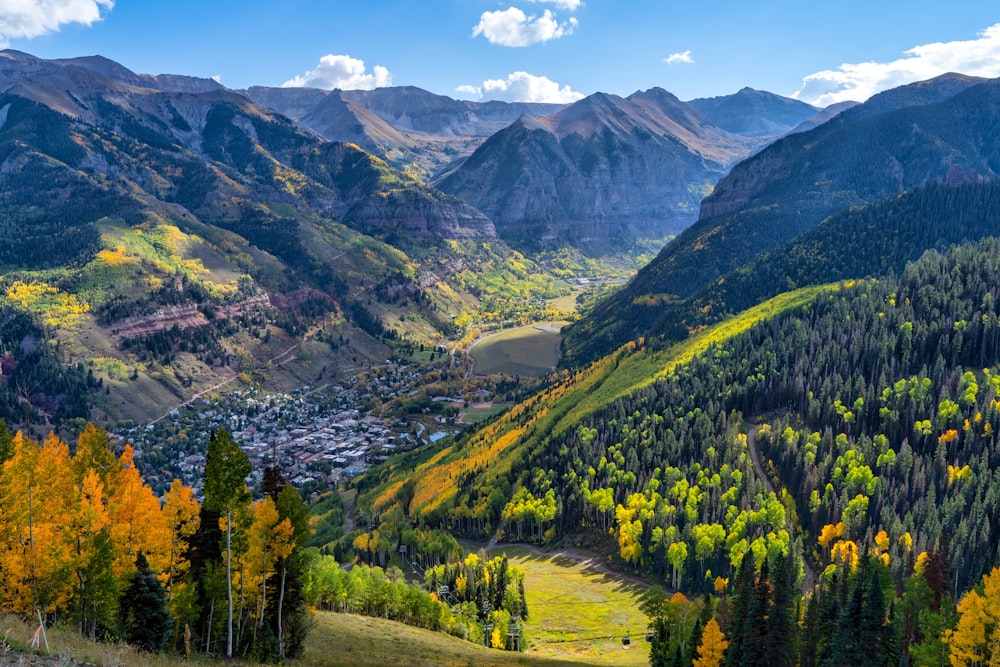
245,202
601,174
933,131
609,172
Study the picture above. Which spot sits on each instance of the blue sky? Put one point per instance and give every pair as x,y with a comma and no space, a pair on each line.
534,50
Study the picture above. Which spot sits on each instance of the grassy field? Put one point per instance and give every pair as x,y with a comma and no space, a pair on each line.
475,414
578,611
345,640
530,350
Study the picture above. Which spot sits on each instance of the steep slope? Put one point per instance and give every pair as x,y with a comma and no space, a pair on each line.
404,125
875,400
162,237
938,130
602,174
868,241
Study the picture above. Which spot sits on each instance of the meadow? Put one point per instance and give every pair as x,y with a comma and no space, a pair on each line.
580,611
531,350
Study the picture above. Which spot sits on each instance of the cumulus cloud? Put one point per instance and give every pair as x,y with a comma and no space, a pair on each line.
522,87
31,18
975,57
680,57
342,72
512,27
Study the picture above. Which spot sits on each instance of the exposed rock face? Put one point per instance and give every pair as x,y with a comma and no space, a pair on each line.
601,174
201,146
402,213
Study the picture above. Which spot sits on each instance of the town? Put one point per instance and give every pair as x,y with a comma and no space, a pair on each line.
317,437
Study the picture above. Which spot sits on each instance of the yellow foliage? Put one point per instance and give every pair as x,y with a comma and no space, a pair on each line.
115,257
713,646
57,308
829,533
948,436
846,551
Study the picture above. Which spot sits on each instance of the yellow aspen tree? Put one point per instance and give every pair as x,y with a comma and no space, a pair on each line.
713,646
138,523
260,556
972,642
90,546
93,452
182,516
18,488
56,499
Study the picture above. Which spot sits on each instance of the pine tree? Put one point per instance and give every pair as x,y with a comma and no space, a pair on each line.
780,632
144,616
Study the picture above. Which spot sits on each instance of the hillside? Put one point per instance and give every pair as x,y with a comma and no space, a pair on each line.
499,449
936,130
876,405
865,241
164,235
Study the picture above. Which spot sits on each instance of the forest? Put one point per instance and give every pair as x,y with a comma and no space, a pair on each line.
848,445
86,544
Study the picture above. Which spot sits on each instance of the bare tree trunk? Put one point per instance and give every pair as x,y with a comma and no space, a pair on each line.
281,608
229,583
208,638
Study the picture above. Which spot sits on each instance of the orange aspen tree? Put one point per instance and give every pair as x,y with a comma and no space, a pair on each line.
138,524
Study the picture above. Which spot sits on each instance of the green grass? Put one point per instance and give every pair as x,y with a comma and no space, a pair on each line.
474,415
528,350
577,612
346,640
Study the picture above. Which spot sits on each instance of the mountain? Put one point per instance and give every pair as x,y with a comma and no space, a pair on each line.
938,130
823,116
770,428
155,225
754,113
404,125
607,173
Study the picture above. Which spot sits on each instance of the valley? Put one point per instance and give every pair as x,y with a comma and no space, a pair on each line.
615,381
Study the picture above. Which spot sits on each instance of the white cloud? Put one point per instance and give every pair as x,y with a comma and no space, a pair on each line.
342,72
571,5
975,57
522,87
680,57
512,27
31,18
